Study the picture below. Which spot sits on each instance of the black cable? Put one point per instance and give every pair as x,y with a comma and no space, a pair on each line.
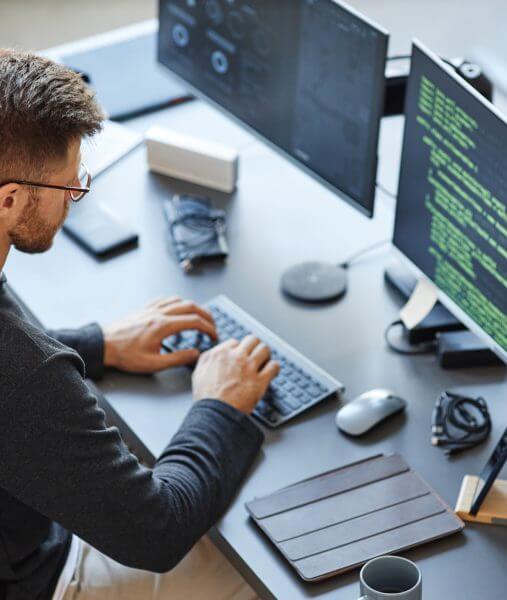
459,422
386,191
398,57
346,264
425,348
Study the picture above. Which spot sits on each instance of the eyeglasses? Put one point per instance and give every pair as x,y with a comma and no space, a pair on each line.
77,193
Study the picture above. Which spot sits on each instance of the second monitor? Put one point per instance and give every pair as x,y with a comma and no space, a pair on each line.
451,214
307,75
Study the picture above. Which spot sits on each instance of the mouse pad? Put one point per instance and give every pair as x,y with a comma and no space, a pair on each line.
339,520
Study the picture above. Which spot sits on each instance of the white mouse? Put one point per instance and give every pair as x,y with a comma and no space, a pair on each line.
367,410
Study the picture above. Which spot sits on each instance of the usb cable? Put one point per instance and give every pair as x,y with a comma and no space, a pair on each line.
459,422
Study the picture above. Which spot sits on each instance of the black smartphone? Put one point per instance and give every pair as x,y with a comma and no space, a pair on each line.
490,473
98,231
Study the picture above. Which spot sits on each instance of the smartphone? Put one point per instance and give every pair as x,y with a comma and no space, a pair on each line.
98,231
490,473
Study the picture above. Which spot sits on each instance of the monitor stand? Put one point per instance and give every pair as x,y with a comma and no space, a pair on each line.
315,282
457,347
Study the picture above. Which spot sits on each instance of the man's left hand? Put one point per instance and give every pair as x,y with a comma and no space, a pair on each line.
134,343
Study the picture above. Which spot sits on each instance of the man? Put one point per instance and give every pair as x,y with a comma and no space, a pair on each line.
79,516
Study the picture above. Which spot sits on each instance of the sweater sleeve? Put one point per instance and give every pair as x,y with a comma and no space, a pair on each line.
88,342
60,457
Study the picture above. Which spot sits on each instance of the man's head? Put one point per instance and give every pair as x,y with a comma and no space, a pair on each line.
45,111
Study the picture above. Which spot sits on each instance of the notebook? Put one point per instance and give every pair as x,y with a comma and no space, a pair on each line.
126,77
339,520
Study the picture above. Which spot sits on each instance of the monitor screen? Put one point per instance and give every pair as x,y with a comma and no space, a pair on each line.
307,75
451,216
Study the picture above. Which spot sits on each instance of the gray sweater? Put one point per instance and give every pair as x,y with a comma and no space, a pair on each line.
62,469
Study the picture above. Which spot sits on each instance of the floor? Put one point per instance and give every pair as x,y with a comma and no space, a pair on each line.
470,28
37,24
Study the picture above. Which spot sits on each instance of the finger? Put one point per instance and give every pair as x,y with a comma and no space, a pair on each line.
163,301
154,303
248,343
187,308
170,301
260,355
228,344
270,371
178,323
179,358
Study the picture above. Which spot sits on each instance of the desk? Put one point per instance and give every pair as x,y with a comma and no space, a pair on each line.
277,217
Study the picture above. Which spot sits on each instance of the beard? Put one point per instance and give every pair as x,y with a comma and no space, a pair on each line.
32,234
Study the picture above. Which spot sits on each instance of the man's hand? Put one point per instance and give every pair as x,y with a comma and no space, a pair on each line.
134,343
237,373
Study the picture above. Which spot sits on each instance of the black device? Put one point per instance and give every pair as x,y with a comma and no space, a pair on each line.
489,473
439,320
315,282
397,72
137,86
197,230
305,75
459,422
452,198
98,231
463,349
300,384
456,347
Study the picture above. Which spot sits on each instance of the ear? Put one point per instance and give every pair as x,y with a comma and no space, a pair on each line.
11,198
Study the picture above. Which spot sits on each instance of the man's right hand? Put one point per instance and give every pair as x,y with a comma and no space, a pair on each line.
237,373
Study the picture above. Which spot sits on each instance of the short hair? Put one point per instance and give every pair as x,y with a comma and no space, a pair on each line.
44,106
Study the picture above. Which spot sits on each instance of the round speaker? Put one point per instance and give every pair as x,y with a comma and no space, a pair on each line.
315,282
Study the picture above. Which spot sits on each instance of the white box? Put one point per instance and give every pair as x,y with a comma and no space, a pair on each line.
192,159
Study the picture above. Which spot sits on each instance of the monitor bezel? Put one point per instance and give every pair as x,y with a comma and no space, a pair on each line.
442,296
367,210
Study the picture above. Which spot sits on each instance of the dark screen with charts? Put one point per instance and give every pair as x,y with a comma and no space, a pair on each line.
307,75
451,218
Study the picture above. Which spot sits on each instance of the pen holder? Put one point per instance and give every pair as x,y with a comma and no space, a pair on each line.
494,508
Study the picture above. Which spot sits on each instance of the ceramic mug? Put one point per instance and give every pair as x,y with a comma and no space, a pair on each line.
390,578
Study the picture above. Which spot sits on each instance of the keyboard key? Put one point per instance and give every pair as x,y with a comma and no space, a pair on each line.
305,398
293,402
264,408
314,391
273,417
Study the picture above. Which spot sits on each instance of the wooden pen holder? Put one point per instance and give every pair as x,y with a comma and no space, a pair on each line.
494,508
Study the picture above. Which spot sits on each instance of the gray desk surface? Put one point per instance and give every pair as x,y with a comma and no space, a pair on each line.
279,216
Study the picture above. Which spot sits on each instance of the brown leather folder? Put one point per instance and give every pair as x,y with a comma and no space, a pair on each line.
337,521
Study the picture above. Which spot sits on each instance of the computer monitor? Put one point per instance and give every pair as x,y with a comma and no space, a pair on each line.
306,75
451,214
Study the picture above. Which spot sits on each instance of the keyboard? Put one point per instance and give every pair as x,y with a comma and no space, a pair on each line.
300,384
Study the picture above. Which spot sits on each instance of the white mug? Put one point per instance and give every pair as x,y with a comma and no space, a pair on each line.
390,578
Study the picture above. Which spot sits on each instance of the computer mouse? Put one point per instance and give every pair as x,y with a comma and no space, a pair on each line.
367,410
